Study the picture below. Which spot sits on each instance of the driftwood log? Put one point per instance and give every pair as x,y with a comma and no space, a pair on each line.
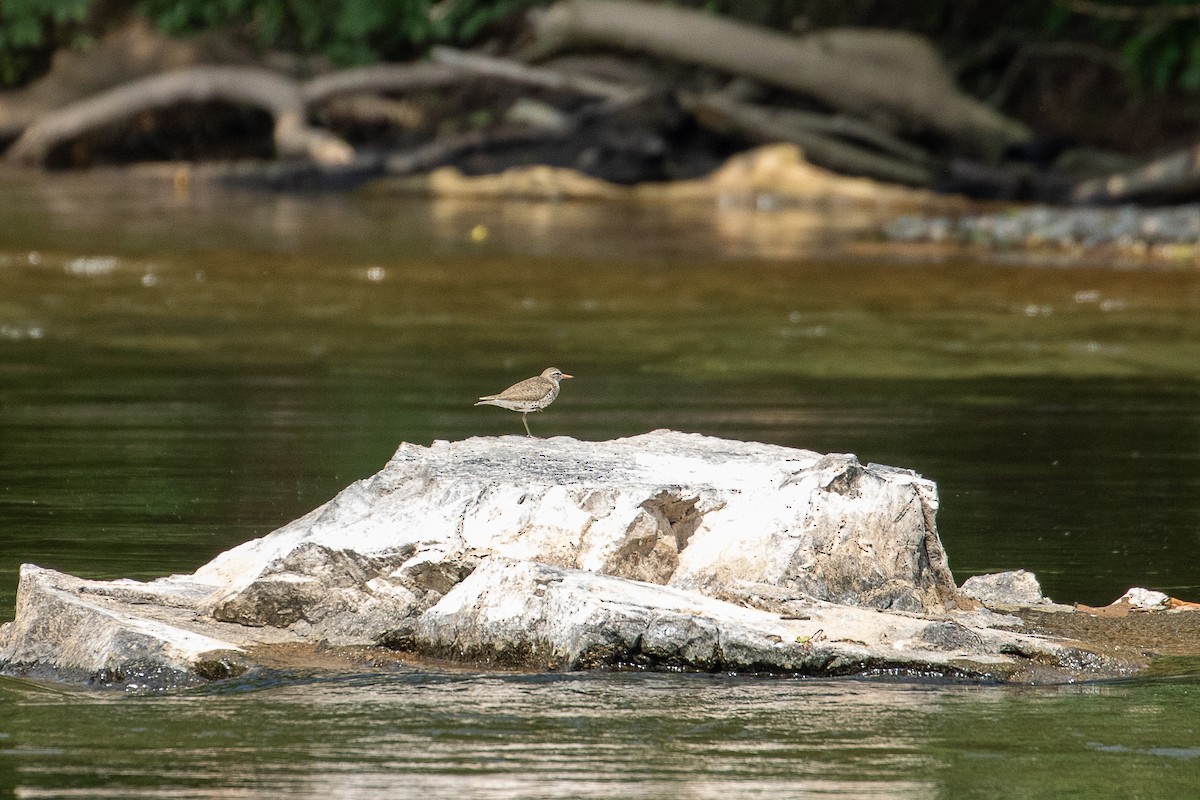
487,66
1166,178
286,100
251,86
896,80
378,78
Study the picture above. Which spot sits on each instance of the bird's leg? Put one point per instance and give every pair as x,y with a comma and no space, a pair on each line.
526,424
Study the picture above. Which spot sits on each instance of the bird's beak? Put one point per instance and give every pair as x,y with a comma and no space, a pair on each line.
565,375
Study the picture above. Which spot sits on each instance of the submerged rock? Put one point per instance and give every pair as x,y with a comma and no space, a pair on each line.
665,550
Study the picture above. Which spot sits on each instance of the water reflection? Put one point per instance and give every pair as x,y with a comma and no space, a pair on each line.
122,211
492,736
603,735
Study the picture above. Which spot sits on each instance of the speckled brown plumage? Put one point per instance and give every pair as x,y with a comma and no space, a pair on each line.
531,394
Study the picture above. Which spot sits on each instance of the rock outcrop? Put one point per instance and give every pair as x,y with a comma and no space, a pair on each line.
665,550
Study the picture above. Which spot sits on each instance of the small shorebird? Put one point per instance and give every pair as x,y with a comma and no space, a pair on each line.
531,394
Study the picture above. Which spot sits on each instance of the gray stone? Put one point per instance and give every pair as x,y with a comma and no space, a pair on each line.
1005,590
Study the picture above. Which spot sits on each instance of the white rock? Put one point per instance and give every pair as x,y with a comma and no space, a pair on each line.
1145,599
661,550
672,508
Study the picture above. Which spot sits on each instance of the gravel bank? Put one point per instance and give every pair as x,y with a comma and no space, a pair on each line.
1171,233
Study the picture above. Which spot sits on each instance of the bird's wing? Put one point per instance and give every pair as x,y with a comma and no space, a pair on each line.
528,389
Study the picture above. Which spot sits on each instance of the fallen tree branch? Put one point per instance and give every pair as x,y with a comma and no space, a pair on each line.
288,101
380,78
442,152
520,73
277,95
816,136
1167,178
895,78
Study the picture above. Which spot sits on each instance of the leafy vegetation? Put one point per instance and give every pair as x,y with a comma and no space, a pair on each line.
1165,55
30,28
1158,41
348,32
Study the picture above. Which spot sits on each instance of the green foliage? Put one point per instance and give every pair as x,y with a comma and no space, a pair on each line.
1164,55
1158,41
463,21
349,32
30,28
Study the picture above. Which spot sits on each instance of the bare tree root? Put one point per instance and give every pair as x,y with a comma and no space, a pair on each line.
279,96
896,80
287,101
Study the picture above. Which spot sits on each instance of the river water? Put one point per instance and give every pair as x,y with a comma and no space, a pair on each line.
181,370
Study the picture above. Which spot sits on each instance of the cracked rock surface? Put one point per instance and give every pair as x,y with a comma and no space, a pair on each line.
660,551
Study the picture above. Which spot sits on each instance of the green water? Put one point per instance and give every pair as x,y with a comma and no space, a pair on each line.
604,736
181,372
